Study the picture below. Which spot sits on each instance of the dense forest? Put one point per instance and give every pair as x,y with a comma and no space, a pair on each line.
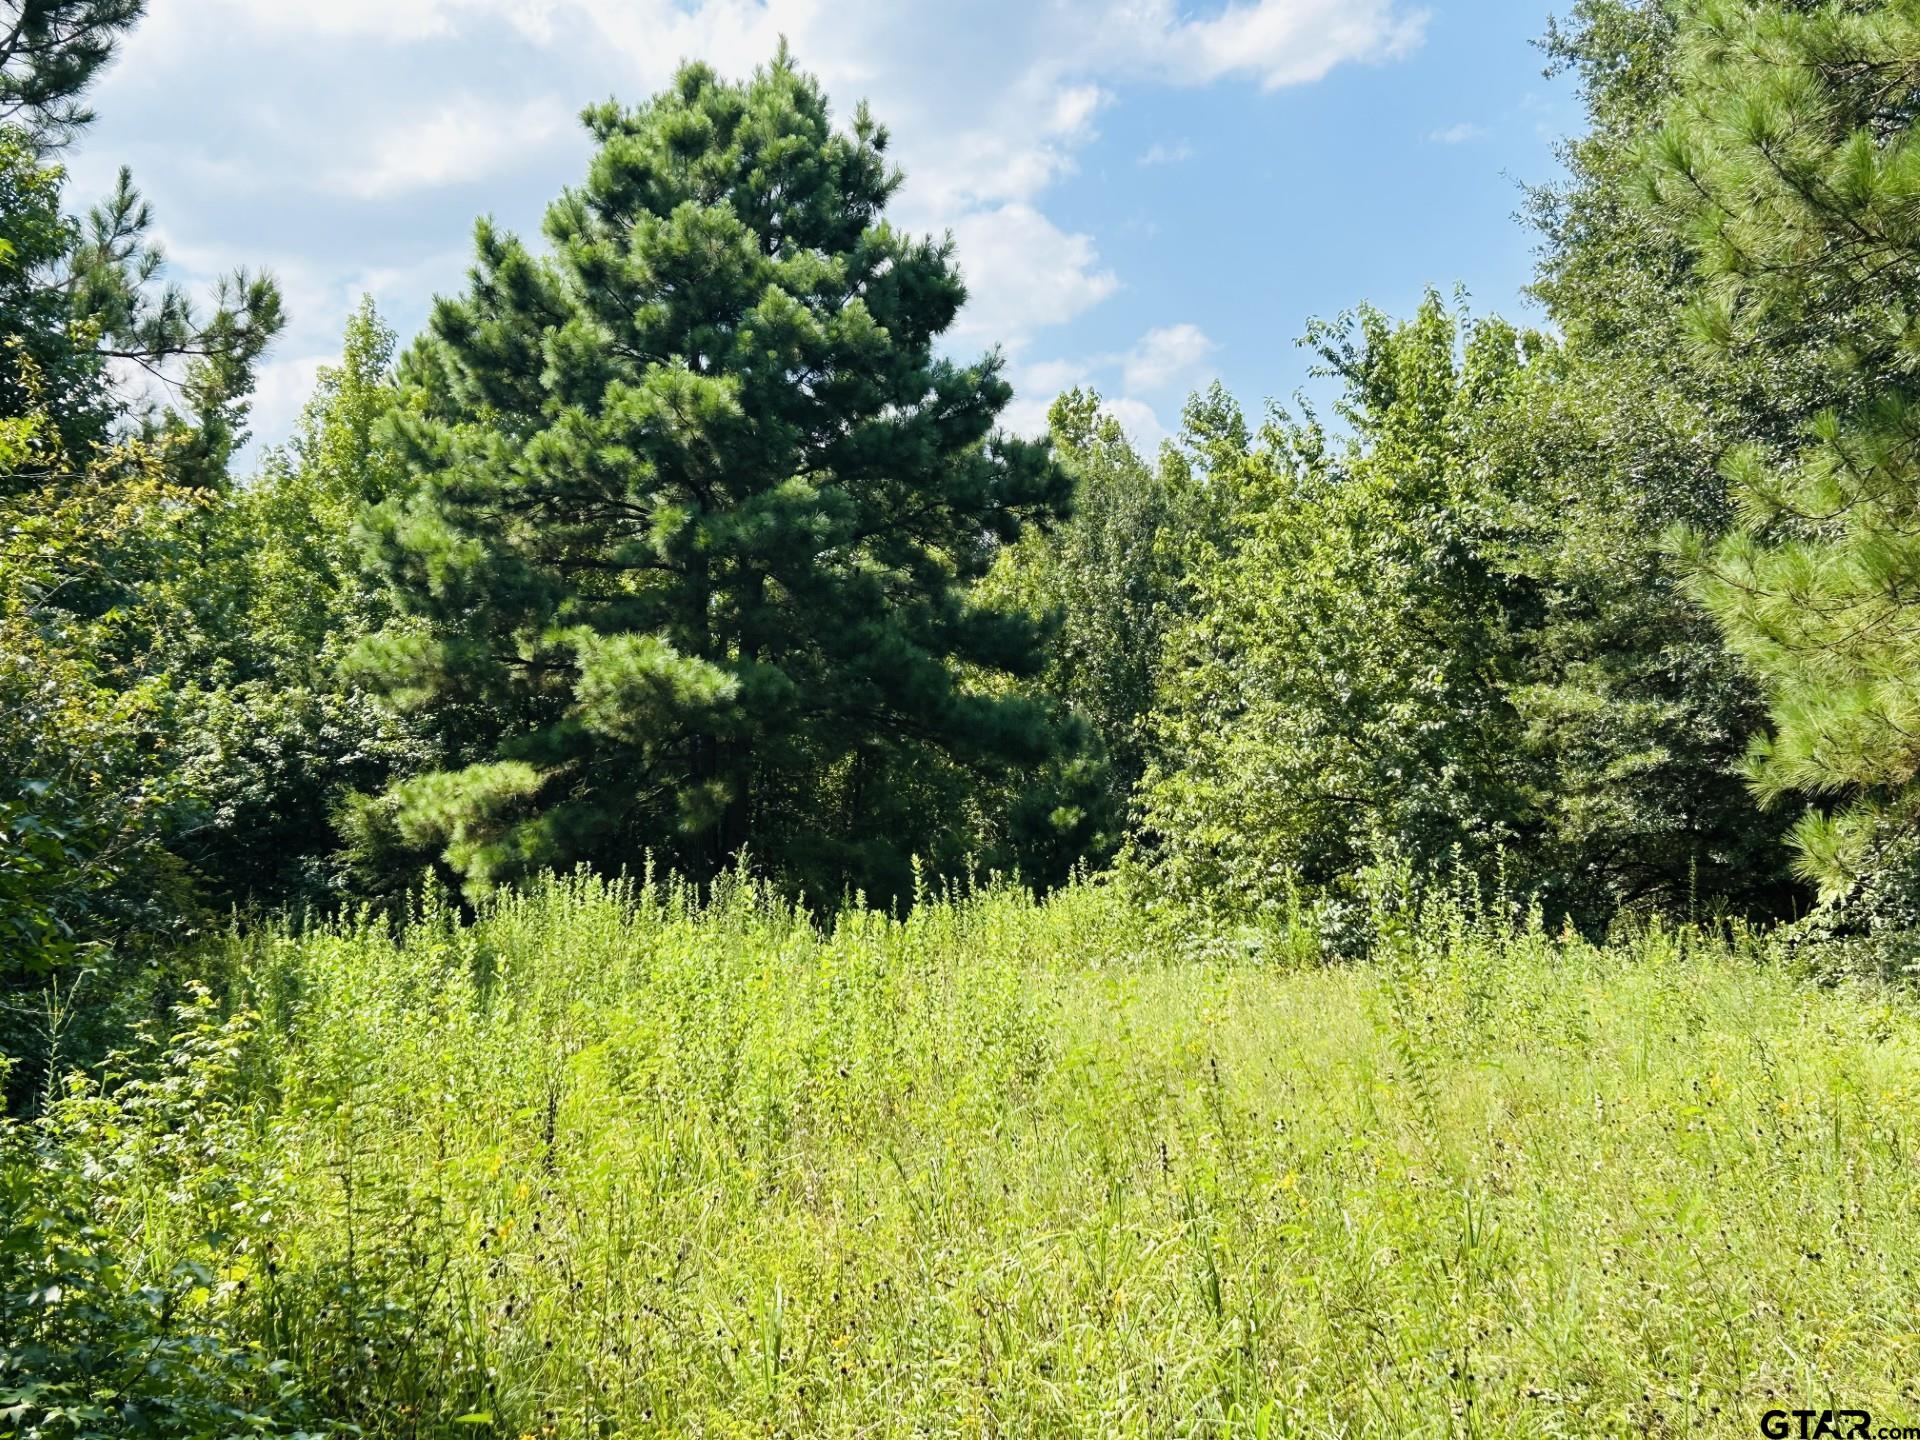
665,687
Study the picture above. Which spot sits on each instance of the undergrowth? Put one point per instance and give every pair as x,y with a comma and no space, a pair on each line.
611,1161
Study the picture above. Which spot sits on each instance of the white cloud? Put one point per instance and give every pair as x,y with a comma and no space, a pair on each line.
1291,42
1138,419
1024,273
1026,413
400,20
1458,134
281,391
951,166
1050,377
1035,386
174,29
1165,152
1166,356
462,139
989,101
1283,42
390,103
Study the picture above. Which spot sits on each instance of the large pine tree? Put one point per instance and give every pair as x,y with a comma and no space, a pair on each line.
684,562
1793,157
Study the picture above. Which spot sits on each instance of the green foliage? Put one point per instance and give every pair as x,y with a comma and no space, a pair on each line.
121,310
80,293
1636,715
692,512
135,1235
273,737
1617,272
1639,710
681,538
85,807
1111,576
307,596
42,337
1456,637
1338,693
1788,159
103,498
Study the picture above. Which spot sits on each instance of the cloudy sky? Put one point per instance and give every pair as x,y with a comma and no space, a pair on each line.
1145,194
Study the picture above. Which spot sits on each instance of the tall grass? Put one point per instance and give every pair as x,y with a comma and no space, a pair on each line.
612,1161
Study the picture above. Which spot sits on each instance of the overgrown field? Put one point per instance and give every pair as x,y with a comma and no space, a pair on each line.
617,1164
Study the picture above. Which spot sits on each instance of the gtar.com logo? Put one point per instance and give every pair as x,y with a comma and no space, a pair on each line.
1836,1424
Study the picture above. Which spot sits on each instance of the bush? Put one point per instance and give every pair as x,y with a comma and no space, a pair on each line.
136,1235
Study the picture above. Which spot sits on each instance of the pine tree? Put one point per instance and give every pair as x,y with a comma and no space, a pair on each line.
1792,154
1638,711
50,53
693,511
80,296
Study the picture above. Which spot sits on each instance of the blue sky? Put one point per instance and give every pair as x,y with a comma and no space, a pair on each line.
1145,195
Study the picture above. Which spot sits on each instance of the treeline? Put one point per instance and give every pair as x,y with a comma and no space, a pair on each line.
679,538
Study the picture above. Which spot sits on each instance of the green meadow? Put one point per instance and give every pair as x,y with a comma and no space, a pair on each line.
609,1161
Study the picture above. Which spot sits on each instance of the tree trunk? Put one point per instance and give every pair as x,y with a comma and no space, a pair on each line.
736,760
